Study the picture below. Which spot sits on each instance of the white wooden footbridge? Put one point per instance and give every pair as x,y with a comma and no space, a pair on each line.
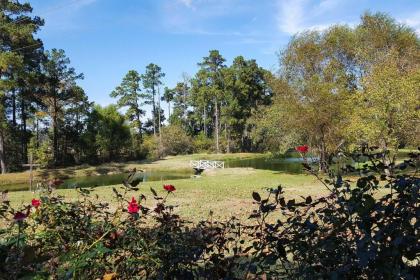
206,164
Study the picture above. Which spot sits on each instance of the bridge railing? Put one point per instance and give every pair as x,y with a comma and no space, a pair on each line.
207,164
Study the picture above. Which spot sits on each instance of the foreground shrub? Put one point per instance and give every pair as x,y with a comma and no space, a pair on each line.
352,233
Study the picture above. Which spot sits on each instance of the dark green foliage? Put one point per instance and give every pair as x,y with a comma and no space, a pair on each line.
131,98
108,133
352,233
61,92
224,98
20,56
152,79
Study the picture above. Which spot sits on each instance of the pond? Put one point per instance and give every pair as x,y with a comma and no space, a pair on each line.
105,180
288,165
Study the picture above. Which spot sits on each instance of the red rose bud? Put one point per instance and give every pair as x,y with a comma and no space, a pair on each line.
36,202
133,207
19,216
302,149
169,188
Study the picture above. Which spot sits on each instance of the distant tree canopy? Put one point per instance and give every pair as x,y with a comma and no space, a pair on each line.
335,89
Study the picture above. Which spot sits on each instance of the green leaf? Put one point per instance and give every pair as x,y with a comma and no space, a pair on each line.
135,179
291,203
153,191
256,196
282,202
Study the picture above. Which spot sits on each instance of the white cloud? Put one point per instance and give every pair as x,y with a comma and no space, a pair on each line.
413,21
290,15
201,16
326,5
187,3
299,15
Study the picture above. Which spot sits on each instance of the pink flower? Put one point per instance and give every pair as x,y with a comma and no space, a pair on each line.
169,188
302,149
36,202
133,207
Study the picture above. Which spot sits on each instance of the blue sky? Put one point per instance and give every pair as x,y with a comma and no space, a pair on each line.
106,38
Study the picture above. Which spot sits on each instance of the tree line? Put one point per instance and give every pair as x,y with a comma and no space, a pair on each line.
346,87
335,89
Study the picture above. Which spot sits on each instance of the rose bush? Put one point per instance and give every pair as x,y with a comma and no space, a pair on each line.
352,233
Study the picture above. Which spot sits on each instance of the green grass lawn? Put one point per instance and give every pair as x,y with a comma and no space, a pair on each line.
226,192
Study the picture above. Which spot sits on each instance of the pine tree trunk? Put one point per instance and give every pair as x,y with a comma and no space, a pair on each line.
13,108
216,125
154,112
159,124
139,125
37,133
228,138
55,133
138,116
23,132
2,153
2,121
204,121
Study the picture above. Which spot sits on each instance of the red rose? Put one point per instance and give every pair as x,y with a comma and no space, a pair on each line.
19,216
169,188
302,149
36,202
133,207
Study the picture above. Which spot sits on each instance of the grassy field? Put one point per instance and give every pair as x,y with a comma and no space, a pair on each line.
226,192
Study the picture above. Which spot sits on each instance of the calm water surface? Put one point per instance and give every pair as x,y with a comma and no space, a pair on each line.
105,180
288,165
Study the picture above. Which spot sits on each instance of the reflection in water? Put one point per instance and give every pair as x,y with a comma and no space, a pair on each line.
106,180
288,165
